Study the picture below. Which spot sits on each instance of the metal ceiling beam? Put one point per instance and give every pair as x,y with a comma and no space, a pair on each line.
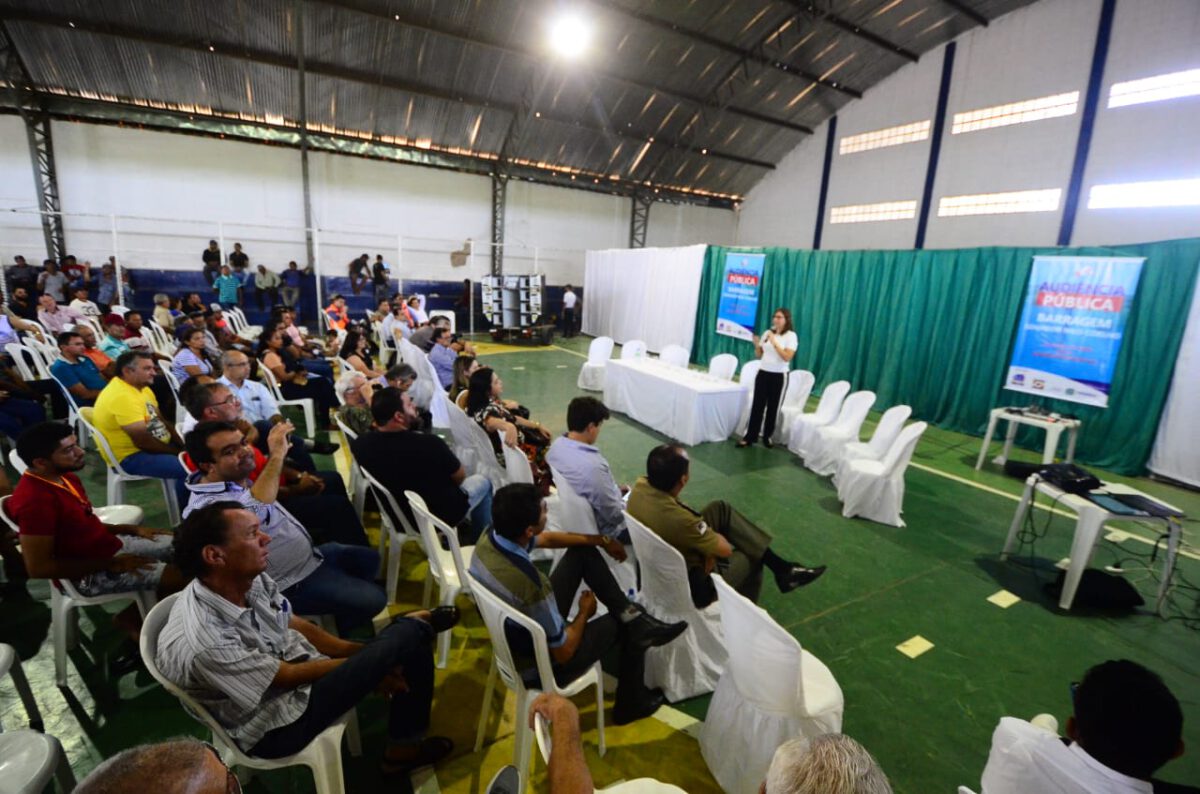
508,48
350,75
810,8
967,11
725,46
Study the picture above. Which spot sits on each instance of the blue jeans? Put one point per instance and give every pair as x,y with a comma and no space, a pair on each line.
161,466
479,505
343,586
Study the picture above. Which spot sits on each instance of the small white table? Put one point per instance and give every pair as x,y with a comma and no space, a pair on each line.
1053,428
685,404
1090,520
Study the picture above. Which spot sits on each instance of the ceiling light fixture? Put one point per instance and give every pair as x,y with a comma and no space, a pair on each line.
570,35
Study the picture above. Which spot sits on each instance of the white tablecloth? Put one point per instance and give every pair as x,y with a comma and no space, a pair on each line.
686,405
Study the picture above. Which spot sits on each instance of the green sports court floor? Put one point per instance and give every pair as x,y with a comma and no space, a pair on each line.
927,719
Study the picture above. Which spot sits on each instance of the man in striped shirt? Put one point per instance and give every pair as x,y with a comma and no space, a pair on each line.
502,564
273,680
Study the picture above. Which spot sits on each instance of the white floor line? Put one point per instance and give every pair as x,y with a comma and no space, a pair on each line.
674,718
572,352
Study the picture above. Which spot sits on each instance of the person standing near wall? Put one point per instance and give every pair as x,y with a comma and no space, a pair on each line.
381,275
239,260
291,279
570,301
266,284
358,273
776,348
212,262
228,288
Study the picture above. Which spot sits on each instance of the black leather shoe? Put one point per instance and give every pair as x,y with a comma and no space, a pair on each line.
768,443
444,618
798,577
325,447
647,631
646,705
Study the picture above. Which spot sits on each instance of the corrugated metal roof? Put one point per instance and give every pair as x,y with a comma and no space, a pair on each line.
703,96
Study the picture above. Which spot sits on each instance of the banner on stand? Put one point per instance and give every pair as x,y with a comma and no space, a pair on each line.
1072,325
737,310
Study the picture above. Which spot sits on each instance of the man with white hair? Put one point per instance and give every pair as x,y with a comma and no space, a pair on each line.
828,764
176,766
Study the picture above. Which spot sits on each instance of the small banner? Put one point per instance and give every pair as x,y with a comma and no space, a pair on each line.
738,308
1072,325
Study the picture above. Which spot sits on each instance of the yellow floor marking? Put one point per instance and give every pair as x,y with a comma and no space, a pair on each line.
674,718
914,647
1003,599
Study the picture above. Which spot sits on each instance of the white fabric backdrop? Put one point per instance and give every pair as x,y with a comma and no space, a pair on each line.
1176,452
643,293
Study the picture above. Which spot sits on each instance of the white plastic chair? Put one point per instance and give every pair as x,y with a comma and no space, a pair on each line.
804,426
172,381
241,327
591,374
496,614
358,485
306,404
468,435
322,755
691,664
827,443
723,366
890,425
38,370
30,759
675,356
570,512
874,489
634,348
394,531
772,690
516,465
746,378
10,665
447,567
795,397
117,476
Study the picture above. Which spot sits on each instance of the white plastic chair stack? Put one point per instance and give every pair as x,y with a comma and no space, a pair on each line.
772,690
795,397
804,427
691,664
117,476
447,567
723,366
322,755
591,374
634,348
827,443
35,371
28,757
306,404
394,531
890,425
675,356
874,489
747,377
496,613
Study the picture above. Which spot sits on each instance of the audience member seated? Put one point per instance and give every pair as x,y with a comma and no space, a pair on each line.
83,304
127,415
486,406
193,319
193,303
55,318
221,332
162,312
21,305
1126,726
422,337
75,371
402,459
464,367
831,763
398,324
133,331
177,766
355,352
259,406
276,681
416,309
191,360
442,356
576,458
336,313
717,537
331,578
102,360
61,537
295,382
357,393
113,344
501,563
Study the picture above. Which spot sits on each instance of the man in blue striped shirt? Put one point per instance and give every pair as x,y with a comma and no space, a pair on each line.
502,564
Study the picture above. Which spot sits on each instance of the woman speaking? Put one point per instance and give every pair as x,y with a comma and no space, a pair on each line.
775,348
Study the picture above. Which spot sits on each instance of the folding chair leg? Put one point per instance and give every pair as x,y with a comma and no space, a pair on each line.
486,707
600,708
62,770
427,599
327,768
395,547
310,420
172,501
115,491
524,743
58,628
21,684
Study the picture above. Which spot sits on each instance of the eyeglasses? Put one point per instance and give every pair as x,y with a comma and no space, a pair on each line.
232,399
232,784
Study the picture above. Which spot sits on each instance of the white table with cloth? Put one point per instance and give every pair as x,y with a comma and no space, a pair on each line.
687,405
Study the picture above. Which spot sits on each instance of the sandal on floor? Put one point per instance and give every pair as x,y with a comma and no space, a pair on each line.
431,750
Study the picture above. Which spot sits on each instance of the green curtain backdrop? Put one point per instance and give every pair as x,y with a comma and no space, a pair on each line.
934,329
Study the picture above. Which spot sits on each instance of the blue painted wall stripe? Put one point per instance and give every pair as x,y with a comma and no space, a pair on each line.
1087,123
935,144
831,136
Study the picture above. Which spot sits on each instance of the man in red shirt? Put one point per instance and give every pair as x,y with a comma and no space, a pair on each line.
62,538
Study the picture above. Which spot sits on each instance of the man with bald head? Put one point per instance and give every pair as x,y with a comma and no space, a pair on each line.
177,766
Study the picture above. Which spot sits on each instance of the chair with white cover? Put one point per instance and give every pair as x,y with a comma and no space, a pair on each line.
468,435
795,397
591,374
358,484
29,759
447,567
804,426
516,465
890,425
691,664
497,614
305,404
634,348
825,449
772,690
723,366
117,476
747,377
675,356
323,755
874,489
395,530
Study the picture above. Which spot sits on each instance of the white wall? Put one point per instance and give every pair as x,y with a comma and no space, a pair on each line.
683,224
1042,49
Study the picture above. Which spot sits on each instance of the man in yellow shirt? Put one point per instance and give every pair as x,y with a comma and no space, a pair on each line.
128,416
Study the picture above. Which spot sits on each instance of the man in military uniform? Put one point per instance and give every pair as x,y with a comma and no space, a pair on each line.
717,537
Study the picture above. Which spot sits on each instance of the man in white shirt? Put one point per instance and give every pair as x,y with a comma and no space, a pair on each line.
1126,725
570,316
55,318
84,306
